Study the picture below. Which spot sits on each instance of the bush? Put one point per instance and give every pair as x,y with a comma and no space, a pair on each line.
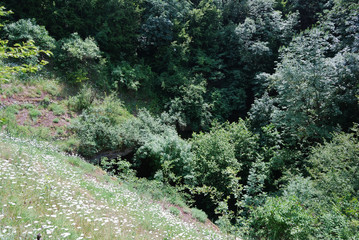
174,211
97,128
118,167
158,148
199,215
96,133
34,114
82,100
334,165
281,218
27,29
79,59
131,77
57,109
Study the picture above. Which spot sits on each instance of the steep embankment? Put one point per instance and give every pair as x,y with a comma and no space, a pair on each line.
43,191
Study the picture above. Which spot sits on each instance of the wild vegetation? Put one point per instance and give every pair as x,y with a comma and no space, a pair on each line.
247,111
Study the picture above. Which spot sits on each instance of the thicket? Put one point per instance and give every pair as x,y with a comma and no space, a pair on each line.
291,68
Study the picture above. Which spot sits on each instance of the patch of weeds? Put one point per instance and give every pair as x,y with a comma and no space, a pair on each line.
60,131
174,211
11,91
38,92
56,120
45,102
27,106
199,215
33,93
70,145
82,100
177,201
11,110
51,87
187,210
34,114
119,167
57,109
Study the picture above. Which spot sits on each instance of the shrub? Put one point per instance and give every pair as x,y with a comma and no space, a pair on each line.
132,77
174,211
45,102
57,109
158,148
96,133
169,158
78,58
56,120
118,167
334,165
97,128
199,215
82,100
27,106
34,114
281,218
27,29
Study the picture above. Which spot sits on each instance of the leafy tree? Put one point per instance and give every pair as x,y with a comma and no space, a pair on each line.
114,24
131,77
78,58
25,30
281,218
18,51
190,108
334,165
312,89
158,150
309,11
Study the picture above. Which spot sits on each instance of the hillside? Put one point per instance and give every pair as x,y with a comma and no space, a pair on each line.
44,191
192,119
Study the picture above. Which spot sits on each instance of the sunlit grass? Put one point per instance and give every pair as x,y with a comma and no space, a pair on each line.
43,191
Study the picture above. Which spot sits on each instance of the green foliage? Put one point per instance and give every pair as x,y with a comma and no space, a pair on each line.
190,108
25,30
34,114
175,211
309,11
96,133
57,109
83,100
223,156
199,215
113,23
309,103
97,128
158,149
78,58
118,167
131,77
281,218
19,51
334,165
215,159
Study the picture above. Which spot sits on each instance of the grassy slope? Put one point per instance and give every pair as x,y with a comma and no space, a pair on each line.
63,197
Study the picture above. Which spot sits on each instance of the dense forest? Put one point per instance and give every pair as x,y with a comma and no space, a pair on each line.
247,108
